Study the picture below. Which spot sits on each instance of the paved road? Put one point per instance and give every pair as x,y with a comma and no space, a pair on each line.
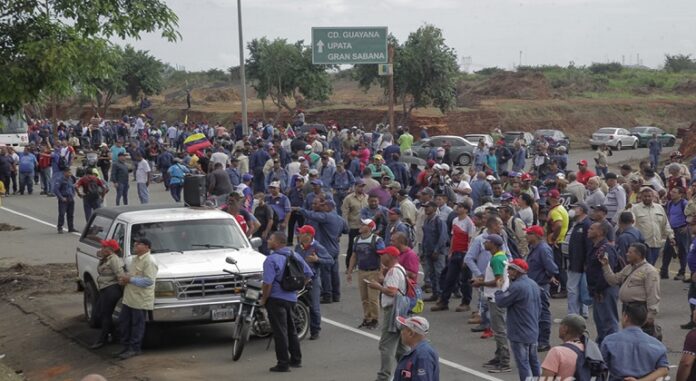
342,353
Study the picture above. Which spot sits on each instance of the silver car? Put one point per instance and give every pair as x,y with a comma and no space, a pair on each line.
613,137
461,150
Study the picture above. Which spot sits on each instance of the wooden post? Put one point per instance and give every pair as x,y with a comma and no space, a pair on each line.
392,127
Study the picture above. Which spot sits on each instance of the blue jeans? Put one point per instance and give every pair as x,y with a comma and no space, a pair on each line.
450,279
26,180
526,358
653,253
175,191
601,171
545,317
681,235
131,322
314,305
654,160
330,281
66,210
45,177
89,206
143,193
574,304
122,193
433,268
605,313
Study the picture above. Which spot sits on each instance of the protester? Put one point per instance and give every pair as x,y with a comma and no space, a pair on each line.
119,177
279,303
365,257
315,255
605,296
687,364
421,362
578,248
143,176
138,298
65,192
91,190
653,223
544,272
434,248
110,268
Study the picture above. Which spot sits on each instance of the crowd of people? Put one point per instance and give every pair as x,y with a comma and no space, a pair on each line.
503,242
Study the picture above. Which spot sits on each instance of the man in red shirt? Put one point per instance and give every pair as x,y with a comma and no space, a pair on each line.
463,231
408,258
91,190
583,174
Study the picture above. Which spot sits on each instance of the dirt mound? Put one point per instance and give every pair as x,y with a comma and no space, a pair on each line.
22,279
686,87
504,85
8,228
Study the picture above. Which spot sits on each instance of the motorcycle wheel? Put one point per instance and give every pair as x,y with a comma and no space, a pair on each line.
300,315
239,342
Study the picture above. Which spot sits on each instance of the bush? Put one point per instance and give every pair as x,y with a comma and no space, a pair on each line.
600,68
490,71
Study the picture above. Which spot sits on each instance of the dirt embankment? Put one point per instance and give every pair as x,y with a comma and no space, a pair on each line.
23,280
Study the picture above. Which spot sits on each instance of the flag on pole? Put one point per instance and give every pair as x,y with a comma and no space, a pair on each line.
196,142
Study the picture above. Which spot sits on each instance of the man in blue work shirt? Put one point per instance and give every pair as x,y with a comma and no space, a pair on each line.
377,213
604,308
543,271
256,162
329,227
523,303
315,255
64,189
631,353
434,248
421,363
341,183
280,204
655,148
279,303
26,167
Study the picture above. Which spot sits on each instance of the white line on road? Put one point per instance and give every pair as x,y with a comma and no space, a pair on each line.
32,218
443,361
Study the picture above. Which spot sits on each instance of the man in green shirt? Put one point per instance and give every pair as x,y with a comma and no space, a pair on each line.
138,298
405,143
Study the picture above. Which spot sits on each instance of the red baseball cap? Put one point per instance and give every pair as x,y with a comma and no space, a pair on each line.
553,193
389,250
535,229
430,163
583,163
111,243
369,222
306,229
526,177
520,265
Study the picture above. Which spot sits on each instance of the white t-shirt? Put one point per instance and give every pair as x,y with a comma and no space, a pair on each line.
219,157
489,292
395,278
461,185
527,216
142,171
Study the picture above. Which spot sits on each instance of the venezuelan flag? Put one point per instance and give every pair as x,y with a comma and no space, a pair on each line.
196,142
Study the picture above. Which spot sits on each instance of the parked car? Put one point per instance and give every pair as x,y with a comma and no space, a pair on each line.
645,133
613,137
474,138
554,138
190,246
510,137
461,150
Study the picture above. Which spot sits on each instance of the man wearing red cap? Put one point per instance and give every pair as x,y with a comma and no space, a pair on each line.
110,267
315,255
523,303
543,271
583,174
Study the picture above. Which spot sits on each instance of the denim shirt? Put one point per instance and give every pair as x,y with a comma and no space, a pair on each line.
315,248
632,353
523,302
423,361
328,226
541,264
435,237
477,257
342,181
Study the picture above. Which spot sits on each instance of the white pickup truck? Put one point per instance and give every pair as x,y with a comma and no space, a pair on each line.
189,245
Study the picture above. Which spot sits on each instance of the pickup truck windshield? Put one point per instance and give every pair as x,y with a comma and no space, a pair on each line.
190,235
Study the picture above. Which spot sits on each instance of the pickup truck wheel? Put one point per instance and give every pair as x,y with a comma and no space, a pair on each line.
89,301
671,142
300,314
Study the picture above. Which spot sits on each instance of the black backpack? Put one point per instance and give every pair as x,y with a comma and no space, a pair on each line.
293,278
512,240
92,190
587,369
62,163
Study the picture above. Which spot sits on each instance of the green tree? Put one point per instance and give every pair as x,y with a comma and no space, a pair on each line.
51,48
425,72
280,70
679,62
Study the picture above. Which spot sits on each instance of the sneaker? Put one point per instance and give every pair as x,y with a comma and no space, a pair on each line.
128,354
560,295
491,363
463,308
664,276
689,325
487,334
679,277
97,345
122,351
500,368
297,364
479,328
557,321
432,298
73,231
60,231
363,324
427,289
314,336
474,320
42,193
326,300
372,324
439,307
279,368
543,348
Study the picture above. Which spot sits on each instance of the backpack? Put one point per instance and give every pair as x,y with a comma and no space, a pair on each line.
92,189
511,239
410,233
587,369
293,278
414,294
62,163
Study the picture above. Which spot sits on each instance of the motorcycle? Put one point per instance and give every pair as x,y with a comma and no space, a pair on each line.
252,318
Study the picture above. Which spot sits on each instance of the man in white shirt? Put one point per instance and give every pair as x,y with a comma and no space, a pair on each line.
142,178
460,187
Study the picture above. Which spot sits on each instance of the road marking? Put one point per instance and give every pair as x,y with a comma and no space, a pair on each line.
443,361
32,218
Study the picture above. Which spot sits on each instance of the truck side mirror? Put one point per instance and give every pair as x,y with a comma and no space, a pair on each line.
256,242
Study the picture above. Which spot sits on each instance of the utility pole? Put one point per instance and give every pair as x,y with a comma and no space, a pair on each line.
245,123
520,61
392,127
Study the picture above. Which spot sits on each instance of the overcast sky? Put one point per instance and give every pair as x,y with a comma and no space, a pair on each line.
491,32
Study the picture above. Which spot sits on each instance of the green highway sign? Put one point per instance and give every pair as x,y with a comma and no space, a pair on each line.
349,45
